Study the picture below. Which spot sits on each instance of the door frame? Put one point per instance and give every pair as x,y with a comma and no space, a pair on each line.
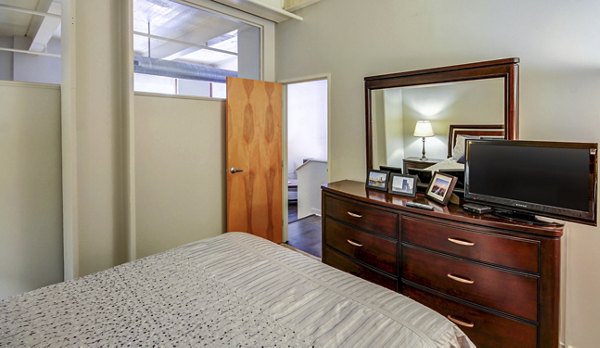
284,141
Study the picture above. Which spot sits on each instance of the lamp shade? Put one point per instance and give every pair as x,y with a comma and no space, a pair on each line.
423,129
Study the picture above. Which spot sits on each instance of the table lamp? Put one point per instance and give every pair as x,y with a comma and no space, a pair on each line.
423,129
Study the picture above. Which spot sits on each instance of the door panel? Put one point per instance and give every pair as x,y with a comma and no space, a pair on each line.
254,187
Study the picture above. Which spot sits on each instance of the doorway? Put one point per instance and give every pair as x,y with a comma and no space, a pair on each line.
307,161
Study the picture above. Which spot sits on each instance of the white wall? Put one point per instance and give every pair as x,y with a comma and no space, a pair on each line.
560,70
180,165
192,87
470,102
307,122
6,59
33,68
30,186
311,175
395,128
249,53
27,67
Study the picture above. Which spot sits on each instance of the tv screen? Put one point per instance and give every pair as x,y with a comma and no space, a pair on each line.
552,179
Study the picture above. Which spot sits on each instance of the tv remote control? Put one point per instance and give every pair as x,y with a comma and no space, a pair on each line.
419,205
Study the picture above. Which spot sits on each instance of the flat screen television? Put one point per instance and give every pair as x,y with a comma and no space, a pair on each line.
528,178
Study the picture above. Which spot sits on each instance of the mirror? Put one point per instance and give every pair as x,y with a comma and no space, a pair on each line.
480,95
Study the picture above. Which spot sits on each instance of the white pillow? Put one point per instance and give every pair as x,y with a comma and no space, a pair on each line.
459,147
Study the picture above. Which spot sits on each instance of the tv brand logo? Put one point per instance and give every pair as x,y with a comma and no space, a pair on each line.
520,205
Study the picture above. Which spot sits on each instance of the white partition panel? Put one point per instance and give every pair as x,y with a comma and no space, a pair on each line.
30,187
180,178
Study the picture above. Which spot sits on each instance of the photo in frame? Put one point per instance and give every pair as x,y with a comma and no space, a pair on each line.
440,188
403,184
377,180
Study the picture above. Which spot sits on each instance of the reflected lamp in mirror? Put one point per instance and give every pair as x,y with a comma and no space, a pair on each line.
423,129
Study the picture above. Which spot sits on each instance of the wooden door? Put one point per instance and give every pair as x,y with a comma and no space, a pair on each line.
254,164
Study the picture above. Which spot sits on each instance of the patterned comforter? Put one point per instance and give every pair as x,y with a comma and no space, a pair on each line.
232,290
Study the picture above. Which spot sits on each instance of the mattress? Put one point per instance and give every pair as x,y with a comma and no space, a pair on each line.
232,290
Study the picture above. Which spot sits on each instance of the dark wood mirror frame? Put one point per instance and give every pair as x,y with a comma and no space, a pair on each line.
507,69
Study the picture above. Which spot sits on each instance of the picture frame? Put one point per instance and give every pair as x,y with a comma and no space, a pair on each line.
440,188
377,180
403,184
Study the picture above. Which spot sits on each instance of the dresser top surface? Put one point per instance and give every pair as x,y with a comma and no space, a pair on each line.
452,212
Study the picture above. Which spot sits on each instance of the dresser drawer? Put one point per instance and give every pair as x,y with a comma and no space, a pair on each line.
345,264
362,216
377,252
518,253
505,291
483,328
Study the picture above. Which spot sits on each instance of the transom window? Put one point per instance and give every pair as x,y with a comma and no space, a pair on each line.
180,49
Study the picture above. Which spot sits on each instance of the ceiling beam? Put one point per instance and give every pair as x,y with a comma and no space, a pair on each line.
46,28
27,11
187,43
42,8
202,34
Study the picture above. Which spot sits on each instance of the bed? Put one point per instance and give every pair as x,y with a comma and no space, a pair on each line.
232,290
456,143
454,164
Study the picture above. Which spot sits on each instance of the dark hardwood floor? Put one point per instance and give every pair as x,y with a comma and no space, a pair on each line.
292,212
305,234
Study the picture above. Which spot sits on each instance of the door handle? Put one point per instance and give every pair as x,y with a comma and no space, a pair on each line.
460,241
463,280
234,170
460,322
353,243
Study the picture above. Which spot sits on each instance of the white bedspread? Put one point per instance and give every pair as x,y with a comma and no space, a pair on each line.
232,290
448,163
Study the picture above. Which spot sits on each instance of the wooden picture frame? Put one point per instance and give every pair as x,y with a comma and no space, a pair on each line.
440,188
403,184
377,180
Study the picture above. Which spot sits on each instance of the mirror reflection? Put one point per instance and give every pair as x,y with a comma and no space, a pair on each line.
398,136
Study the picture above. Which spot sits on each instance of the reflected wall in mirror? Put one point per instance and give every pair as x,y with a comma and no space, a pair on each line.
396,111
484,93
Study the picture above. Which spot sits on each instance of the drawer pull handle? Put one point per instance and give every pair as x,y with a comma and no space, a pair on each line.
460,322
356,244
460,242
460,279
354,215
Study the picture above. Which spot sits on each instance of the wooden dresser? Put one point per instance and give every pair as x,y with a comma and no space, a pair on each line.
498,281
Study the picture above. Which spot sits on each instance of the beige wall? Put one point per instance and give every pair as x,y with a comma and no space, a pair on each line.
180,166
30,187
560,70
